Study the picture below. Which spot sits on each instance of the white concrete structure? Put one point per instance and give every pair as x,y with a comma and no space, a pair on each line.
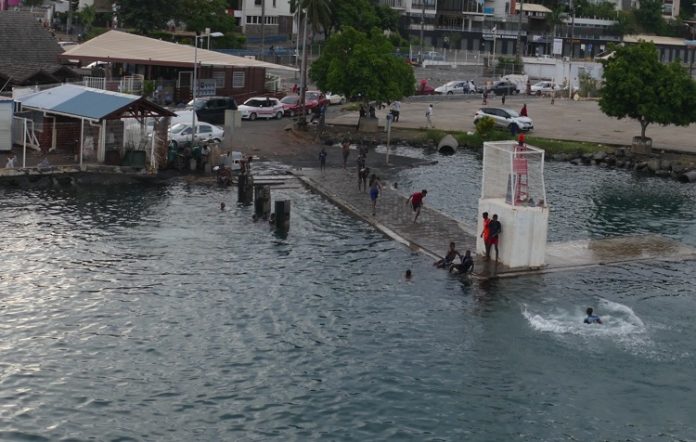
274,13
513,188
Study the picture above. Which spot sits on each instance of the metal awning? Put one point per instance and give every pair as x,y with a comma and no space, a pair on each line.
122,47
91,104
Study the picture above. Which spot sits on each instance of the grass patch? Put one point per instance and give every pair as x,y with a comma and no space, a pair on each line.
351,107
561,146
434,135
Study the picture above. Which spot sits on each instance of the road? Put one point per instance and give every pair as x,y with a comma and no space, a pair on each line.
565,120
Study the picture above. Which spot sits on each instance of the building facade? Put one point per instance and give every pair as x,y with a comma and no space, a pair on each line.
270,18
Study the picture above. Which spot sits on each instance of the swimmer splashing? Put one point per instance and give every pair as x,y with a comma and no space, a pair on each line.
591,318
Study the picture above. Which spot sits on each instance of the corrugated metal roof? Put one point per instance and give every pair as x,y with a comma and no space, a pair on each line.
131,48
78,101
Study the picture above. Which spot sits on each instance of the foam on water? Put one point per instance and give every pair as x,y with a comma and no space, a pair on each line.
620,324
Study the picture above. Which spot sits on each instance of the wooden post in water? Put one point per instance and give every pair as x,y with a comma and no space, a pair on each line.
245,188
282,215
262,201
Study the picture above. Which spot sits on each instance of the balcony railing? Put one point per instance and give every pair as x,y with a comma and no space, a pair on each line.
395,4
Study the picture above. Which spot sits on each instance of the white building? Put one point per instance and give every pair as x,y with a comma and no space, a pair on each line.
273,15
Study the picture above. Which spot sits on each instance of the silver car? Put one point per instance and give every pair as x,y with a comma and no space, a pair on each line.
506,118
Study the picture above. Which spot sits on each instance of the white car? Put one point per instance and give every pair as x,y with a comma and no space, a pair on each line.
456,87
261,107
335,98
544,87
181,133
506,118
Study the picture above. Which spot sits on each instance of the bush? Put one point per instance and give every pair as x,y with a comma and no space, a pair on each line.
589,87
472,141
485,126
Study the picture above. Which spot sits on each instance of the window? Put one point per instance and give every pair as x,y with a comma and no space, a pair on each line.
238,79
204,129
219,77
274,3
257,2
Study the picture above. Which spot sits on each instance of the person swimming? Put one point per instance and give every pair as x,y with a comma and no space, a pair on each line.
591,318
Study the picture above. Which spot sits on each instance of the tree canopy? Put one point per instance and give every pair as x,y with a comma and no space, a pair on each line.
638,86
358,64
146,16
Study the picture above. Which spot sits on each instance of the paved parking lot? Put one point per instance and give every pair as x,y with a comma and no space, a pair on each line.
566,120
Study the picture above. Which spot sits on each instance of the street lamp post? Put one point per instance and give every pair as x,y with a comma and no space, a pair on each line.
194,86
572,47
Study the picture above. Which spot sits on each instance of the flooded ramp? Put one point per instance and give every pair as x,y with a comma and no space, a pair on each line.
615,250
434,230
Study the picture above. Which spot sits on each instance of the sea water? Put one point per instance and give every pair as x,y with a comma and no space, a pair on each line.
146,313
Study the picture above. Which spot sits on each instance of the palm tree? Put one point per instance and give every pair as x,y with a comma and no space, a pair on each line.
317,13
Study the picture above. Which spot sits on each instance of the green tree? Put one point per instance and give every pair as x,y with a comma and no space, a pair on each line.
146,16
87,16
387,18
649,16
198,15
354,63
638,86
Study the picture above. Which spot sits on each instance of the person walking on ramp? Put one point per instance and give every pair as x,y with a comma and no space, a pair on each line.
375,189
429,116
416,200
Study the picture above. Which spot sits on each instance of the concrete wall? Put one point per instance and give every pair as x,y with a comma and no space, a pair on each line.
522,242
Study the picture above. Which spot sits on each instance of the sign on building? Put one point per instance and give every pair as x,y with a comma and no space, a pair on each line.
206,87
557,46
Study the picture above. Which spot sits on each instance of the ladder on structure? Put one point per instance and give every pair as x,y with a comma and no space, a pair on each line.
520,171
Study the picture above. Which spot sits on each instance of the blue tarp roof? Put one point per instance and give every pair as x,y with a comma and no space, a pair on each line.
78,101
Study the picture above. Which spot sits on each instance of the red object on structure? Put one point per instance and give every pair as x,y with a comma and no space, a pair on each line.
520,170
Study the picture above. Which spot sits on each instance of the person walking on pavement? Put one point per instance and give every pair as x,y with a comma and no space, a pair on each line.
345,151
395,110
322,160
429,116
416,200
375,189
523,111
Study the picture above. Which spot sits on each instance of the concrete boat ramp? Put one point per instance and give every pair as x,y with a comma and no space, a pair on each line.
434,230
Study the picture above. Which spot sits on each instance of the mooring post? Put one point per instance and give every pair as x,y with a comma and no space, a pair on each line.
245,188
262,201
282,215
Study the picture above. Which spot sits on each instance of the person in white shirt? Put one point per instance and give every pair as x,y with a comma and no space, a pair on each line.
395,110
10,161
429,115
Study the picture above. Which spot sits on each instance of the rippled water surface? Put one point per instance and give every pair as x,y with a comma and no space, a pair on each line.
149,314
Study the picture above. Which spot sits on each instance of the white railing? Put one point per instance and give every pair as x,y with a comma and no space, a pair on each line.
132,85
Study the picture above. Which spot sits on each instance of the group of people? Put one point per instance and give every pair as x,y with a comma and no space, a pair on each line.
491,234
466,264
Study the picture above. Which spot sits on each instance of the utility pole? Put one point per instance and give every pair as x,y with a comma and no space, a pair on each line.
519,30
263,27
572,47
303,73
420,56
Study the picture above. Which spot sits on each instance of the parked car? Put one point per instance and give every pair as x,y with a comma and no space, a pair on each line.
291,105
506,118
212,109
544,87
315,99
261,107
423,88
335,98
457,87
181,133
433,55
504,87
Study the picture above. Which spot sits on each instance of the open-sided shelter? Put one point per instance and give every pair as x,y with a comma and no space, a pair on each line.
85,121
